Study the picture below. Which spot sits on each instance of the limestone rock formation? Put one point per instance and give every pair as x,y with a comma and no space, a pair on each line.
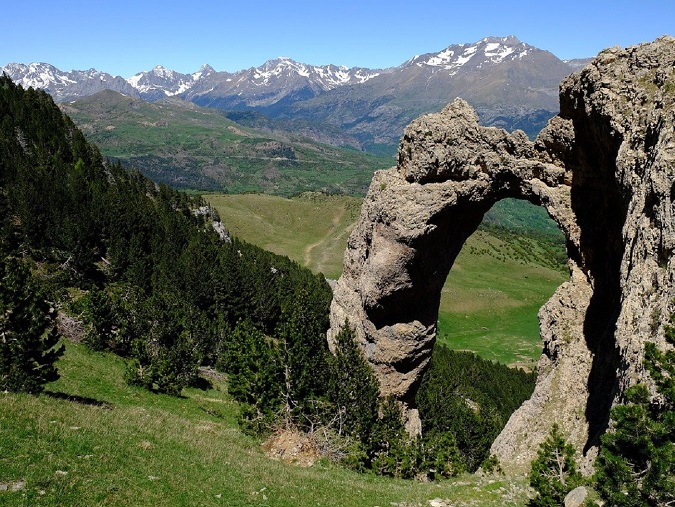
604,169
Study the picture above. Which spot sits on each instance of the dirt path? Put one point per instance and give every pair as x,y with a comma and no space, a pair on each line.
332,232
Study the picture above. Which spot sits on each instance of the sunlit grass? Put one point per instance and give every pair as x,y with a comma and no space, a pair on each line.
311,229
92,440
490,302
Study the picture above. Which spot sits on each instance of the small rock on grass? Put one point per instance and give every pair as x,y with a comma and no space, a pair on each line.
576,497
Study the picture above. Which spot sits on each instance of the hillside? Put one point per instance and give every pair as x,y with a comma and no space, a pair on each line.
93,440
99,255
490,301
185,146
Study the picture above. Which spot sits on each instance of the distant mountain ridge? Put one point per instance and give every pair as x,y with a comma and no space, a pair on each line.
160,82
510,83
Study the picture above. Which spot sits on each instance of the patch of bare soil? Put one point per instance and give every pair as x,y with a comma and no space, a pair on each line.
292,447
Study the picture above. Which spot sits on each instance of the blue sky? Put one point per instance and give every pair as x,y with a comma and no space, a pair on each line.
124,37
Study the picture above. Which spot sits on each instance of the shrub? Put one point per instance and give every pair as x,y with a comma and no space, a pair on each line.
28,335
554,472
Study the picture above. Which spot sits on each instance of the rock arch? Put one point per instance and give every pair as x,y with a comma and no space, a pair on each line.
604,171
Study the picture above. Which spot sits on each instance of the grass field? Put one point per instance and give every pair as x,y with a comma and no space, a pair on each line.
491,298
91,440
493,292
311,229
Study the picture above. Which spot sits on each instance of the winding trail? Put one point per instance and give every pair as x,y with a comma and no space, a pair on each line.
332,232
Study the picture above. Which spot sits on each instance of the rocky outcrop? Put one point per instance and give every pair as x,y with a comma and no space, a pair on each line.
603,169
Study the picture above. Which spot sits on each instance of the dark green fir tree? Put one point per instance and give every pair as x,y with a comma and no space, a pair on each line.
28,334
554,472
636,465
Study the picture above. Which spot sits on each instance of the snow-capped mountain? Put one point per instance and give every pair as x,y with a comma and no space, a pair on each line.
324,77
510,84
276,80
65,86
487,51
505,79
160,82
262,85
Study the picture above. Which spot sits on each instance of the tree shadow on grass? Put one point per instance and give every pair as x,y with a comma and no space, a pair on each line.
82,400
202,383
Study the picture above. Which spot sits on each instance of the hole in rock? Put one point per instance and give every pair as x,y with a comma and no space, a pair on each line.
506,270
504,273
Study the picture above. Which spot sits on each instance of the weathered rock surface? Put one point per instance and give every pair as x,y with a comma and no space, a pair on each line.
576,497
604,170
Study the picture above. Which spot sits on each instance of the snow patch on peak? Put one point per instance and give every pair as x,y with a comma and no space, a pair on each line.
442,58
161,71
489,50
37,75
204,70
325,77
509,39
135,79
163,81
497,52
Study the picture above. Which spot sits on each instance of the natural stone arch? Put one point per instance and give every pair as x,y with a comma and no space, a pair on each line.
604,171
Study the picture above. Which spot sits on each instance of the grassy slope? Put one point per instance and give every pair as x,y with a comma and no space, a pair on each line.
311,229
111,444
186,146
491,298
492,295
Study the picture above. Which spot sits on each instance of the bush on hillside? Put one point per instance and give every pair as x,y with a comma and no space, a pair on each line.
636,464
28,334
554,472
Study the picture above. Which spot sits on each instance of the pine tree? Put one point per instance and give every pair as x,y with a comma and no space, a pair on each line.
301,334
28,335
636,465
554,472
100,315
353,386
252,362
166,358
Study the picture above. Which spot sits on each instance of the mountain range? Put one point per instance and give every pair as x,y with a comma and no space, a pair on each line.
510,83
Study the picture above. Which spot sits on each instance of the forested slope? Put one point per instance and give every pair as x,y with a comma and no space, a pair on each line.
151,266
141,271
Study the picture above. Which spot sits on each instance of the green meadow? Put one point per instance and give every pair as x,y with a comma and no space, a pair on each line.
188,147
92,440
491,298
503,275
311,229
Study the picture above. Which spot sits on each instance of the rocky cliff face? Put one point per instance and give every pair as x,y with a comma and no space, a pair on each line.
604,169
